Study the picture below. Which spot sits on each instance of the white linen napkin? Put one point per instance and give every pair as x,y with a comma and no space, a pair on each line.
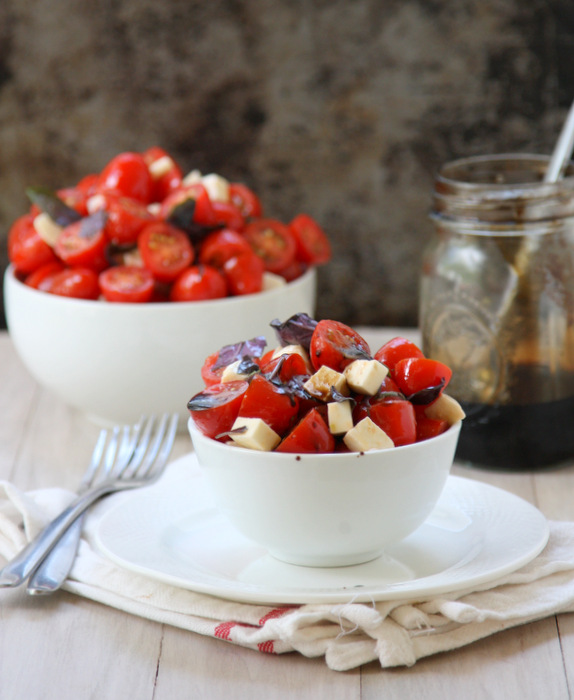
396,633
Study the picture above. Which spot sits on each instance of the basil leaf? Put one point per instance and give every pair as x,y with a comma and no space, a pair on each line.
426,396
236,351
296,330
49,202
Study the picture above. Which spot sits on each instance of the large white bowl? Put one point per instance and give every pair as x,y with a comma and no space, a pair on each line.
326,509
117,361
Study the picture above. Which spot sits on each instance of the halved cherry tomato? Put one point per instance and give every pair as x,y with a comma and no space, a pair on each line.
127,173
310,435
41,278
26,250
83,243
266,401
244,273
417,373
395,416
165,250
76,282
293,271
245,200
313,246
126,218
219,246
126,283
166,180
227,214
428,427
198,283
290,365
336,345
75,198
209,375
196,203
215,409
273,242
396,349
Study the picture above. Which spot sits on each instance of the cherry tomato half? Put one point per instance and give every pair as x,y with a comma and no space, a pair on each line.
26,250
198,283
227,214
336,345
244,273
286,366
428,427
215,409
195,200
395,416
76,282
165,172
397,349
310,435
127,173
266,401
245,200
273,242
165,250
41,278
218,247
415,374
127,284
313,246
126,218
83,243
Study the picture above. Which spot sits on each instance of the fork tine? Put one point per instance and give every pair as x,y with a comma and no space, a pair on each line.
96,459
155,466
149,457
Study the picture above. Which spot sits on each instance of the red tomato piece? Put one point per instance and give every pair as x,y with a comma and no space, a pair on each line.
209,375
26,250
165,250
127,173
395,416
244,273
77,282
336,345
397,349
196,198
290,365
228,215
310,435
127,284
88,185
293,271
218,247
428,427
245,200
313,246
75,198
417,373
266,401
215,409
198,283
273,242
126,218
41,278
166,175
83,244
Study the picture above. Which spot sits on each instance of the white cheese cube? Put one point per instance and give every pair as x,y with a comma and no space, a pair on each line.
95,203
319,384
340,416
160,167
133,258
257,436
48,230
445,408
154,208
366,436
231,373
272,281
192,178
217,187
365,376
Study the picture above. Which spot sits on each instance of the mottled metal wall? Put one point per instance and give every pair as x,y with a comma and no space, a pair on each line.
340,108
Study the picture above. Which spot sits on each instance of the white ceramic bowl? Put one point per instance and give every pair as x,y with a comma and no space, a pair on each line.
327,509
117,361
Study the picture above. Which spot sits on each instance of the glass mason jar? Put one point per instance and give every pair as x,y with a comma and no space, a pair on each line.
497,306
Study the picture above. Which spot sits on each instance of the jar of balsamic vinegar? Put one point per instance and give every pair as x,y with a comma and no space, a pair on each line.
497,306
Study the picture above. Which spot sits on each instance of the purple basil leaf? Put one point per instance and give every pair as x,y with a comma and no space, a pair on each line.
49,202
235,431
230,353
204,401
93,224
338,397
390,395
296,330
426,396
247,366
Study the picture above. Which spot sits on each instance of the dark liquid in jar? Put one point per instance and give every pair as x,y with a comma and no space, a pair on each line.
517,437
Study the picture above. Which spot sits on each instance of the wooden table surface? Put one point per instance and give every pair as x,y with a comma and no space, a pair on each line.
67,647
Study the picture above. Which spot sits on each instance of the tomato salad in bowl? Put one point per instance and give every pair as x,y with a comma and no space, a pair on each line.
140,231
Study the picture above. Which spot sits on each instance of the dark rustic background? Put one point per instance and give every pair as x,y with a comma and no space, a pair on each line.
342,109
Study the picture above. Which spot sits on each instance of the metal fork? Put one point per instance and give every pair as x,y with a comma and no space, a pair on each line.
147,462
111,454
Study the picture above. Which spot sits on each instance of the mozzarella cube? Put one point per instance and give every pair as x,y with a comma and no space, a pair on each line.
365,376
160,167
95,203
217,187
367,435
257,436
48,230
445,408
319,384
340,417
192,178
272,281
231,373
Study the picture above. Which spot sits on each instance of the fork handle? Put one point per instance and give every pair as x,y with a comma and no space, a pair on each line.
54,569
28,559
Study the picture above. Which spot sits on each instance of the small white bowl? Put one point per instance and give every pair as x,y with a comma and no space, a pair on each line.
327,509
117,361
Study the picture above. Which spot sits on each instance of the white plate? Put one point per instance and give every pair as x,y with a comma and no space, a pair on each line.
172,532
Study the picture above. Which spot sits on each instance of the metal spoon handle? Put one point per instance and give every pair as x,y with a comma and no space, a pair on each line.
562,151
